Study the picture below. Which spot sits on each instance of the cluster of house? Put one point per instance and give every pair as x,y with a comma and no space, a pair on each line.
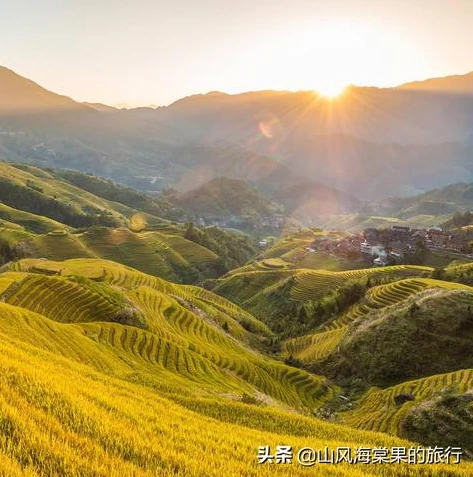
388,246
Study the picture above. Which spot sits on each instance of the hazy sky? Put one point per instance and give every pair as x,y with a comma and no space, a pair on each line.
156,51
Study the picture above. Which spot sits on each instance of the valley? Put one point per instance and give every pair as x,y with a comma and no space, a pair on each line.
187,289
133,327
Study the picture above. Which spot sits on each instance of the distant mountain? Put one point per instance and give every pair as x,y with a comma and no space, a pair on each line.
380,115
133,147
20,95
101,107
370,143
457,84
302,200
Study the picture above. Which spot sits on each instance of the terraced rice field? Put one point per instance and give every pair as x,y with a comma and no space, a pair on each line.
286,246
15,218
273,263
173,322
378,411
315,346
62,191
391,294
60,247
321,344
312,284
250,267
174,319
263,265
460,267
190,251
104,418
83,396
151,252
242,287
219,308
144,251
60,300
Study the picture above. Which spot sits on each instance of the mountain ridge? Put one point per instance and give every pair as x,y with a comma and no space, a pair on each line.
369,143
19,94
454,84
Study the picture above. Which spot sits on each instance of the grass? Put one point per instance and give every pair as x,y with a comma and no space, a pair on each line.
108,427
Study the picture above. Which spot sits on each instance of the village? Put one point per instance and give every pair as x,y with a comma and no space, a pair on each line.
398,244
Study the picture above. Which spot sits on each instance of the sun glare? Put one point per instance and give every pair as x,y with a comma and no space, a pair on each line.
331,90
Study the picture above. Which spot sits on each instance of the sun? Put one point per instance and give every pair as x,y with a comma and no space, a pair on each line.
331,90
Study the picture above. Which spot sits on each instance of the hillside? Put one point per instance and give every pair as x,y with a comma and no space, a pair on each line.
38,192
224,197
197,328
428,334
292,299
208,361
134,355
165,254
111,191
61,215
437,202
378,411
444,412
359,222
394,339
432,208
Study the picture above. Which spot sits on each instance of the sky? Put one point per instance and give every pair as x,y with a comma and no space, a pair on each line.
143,52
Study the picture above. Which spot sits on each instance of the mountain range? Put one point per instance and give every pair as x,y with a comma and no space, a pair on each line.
370,143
